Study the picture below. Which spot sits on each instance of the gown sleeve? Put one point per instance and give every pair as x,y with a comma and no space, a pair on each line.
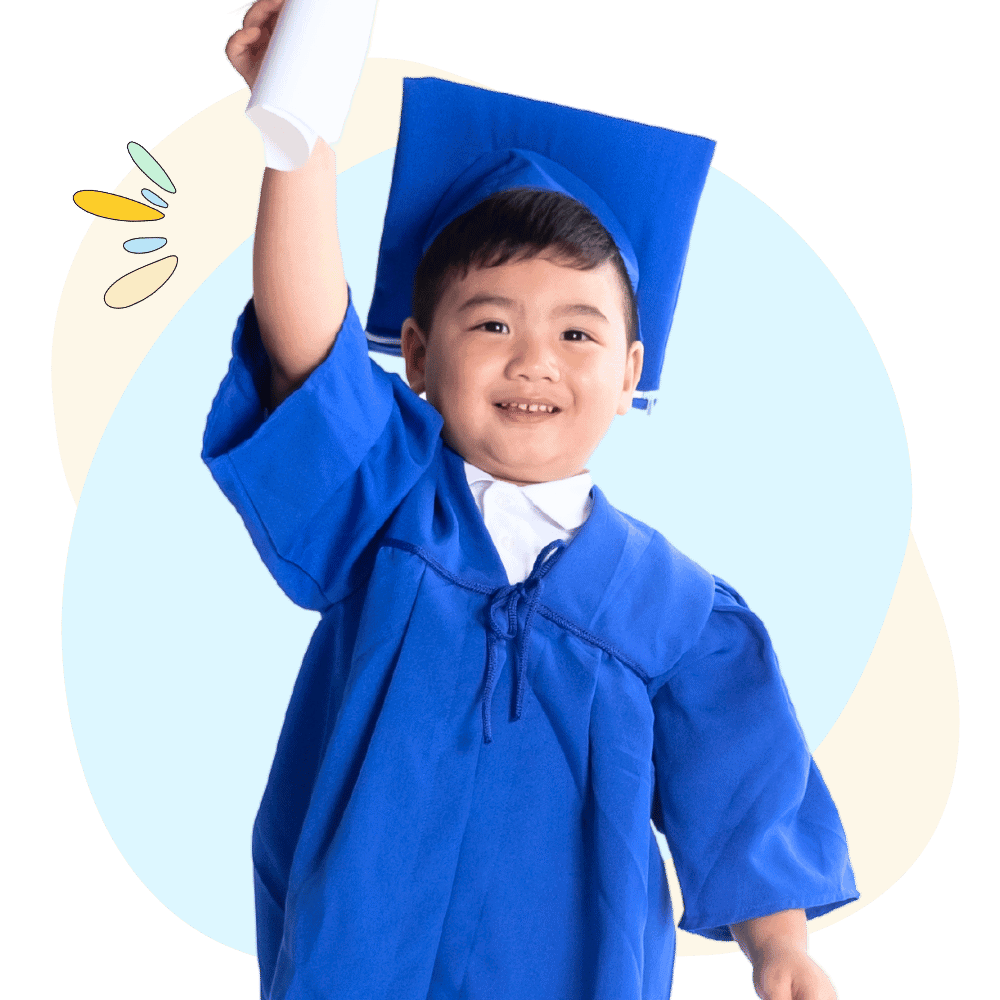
316,479
749,821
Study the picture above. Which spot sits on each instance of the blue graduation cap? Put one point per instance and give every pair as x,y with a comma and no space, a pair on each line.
460,144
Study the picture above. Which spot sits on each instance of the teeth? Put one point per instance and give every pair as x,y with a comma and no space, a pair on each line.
529,407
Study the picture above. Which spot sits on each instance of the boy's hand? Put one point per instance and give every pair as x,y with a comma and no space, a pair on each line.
790,974
246,48
776,947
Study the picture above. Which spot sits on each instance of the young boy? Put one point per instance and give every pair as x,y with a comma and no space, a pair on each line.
510,678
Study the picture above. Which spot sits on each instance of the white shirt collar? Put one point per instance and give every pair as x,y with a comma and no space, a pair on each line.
566,502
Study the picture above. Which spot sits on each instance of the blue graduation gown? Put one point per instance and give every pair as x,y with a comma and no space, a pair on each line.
460,800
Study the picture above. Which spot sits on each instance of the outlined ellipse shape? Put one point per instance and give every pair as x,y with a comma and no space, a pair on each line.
153,198
149,165
139,284
105,205
145,244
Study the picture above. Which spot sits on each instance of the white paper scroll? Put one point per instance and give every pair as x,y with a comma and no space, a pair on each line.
307,79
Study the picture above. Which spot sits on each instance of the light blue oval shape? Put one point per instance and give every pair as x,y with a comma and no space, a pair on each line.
145,244
154,199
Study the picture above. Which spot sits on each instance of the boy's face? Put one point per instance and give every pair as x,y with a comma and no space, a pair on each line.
527,364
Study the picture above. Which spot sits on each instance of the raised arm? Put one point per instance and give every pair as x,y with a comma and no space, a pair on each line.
300,292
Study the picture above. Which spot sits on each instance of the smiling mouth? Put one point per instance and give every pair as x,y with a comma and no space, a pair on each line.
527,407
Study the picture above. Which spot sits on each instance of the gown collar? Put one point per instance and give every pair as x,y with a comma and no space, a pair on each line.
586,573
565,502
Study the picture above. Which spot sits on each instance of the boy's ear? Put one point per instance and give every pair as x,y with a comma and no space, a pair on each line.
633,370
413,344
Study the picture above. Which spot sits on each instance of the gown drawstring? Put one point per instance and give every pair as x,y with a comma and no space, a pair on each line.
502,621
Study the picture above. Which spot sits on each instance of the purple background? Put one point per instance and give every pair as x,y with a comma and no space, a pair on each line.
866,125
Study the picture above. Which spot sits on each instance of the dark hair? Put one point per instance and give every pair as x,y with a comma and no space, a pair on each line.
515,225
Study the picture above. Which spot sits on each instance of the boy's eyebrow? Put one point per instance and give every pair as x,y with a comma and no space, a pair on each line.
579,307
485,299
570,309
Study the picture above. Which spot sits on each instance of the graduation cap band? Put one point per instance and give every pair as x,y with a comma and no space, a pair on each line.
458,145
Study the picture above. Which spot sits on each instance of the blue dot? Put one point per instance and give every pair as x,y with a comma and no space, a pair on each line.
145,244
153,198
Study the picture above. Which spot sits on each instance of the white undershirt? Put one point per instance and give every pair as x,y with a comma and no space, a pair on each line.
522,520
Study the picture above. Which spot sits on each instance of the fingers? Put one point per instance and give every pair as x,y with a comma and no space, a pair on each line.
255,25
246,47
242,39
239,48
260,12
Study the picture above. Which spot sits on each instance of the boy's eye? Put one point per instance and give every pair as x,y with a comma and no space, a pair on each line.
494,326
577,335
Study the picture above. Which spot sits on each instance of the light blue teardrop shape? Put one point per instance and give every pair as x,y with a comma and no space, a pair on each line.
145,244
153,199
144,160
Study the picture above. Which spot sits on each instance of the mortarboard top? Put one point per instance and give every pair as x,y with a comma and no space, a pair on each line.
459,144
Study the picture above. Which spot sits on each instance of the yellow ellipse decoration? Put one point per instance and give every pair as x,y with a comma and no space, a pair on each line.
114,206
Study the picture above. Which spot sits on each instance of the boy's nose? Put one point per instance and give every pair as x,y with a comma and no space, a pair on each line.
533,359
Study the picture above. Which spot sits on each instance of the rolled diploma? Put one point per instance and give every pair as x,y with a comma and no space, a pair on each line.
308,76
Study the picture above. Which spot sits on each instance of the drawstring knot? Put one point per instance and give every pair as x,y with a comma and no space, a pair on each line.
502,619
